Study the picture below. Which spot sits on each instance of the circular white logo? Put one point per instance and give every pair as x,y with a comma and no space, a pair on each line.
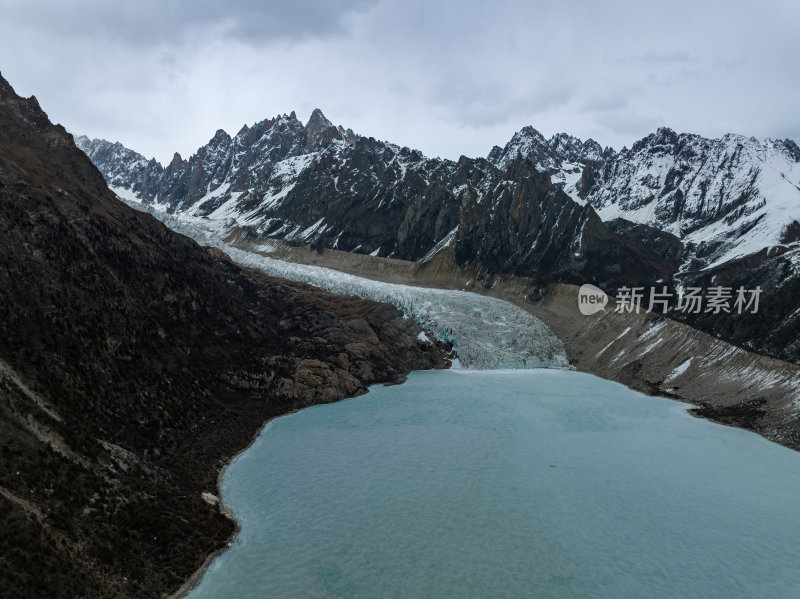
591,299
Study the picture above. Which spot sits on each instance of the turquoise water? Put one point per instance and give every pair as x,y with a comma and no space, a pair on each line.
534,483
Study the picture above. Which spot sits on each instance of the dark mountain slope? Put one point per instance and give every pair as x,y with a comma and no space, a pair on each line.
775,328
133,363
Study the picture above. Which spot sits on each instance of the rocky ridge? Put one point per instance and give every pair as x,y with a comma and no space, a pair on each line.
674,210
133,364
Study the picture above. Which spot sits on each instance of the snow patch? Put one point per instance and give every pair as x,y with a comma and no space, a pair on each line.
678,371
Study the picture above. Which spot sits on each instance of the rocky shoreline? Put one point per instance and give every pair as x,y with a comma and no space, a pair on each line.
188,586
190,583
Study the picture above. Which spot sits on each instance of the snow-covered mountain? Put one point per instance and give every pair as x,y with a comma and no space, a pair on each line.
674,206
245,161
123,168
548,154
563,156
724,198
724,211
324,185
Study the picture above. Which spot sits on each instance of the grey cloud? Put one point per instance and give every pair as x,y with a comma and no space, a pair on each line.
607,101
677,57
487,104
148,22
447,77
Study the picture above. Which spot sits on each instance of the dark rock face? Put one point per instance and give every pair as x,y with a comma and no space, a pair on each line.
364,197
663,244
587,181
134,363
775,328
535,230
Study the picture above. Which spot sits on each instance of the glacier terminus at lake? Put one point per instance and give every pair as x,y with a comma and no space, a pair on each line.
486,332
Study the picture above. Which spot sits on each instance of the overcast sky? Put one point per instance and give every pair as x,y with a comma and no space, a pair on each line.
449,78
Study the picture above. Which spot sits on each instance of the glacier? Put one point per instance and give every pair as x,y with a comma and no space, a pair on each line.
487,333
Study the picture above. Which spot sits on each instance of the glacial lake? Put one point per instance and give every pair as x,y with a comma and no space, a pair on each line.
489,484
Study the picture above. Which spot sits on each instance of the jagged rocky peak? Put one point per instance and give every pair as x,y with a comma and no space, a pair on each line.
527,143
218,148
320,132
6,91
123,168
318,121
221,136
549,154
10,98
791,148
495,154
572,149
248,136
29,109
665,136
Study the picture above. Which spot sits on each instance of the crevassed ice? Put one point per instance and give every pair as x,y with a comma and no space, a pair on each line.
487,333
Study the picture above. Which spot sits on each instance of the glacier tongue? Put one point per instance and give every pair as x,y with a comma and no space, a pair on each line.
487,333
